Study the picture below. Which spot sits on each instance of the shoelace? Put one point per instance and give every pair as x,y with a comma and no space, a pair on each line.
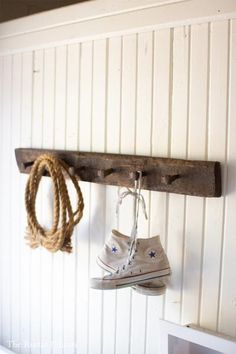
138,198
127,192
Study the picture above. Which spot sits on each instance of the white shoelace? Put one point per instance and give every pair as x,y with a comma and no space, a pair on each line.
138,198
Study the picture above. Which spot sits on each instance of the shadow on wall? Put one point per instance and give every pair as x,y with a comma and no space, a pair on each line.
12,9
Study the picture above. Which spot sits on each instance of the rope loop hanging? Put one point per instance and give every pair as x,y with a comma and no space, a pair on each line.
64,219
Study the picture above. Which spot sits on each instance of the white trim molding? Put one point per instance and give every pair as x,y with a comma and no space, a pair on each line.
103,18
193,335
81,12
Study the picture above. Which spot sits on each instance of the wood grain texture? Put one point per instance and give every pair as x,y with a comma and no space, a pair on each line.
199,178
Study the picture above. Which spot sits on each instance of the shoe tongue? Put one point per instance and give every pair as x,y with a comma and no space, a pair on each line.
118,235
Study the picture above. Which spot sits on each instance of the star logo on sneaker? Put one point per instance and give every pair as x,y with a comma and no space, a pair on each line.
114,249
152,254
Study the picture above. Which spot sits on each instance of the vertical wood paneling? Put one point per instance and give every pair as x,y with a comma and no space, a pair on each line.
46,257
217,129
113,146
128,95
198,95
163,93
70,264
37,136
6,197
127,136
179,124
228,288
98,192
85,130
59,258
143,146
25,252
162,75
16,195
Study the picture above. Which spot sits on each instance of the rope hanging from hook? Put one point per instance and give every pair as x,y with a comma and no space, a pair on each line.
64,219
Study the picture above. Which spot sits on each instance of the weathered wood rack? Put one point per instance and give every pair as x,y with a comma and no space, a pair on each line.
198,178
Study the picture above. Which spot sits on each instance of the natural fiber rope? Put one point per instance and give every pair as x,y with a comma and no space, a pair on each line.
64,219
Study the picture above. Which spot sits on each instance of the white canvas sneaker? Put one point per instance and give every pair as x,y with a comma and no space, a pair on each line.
146,269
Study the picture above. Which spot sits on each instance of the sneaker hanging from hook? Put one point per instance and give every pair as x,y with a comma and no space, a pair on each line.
145,258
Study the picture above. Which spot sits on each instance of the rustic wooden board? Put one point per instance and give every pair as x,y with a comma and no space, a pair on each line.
199,178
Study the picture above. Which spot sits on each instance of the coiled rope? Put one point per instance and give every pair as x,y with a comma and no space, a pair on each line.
64,219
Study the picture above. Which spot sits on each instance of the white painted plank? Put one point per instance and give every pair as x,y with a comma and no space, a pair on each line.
112,146
46,257
144,93
162,86
99,95
160,147
26,253
85,128
38,81
128,115
85,105
73,96
176,216
110,297
6,198
114,67
143,146
60,96
73,67
198,96
128,98
98,192
59,257
228,288
37,136
216,151
15,196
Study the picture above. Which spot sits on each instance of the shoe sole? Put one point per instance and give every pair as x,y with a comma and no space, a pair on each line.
106,284
139,288
145,290
150,291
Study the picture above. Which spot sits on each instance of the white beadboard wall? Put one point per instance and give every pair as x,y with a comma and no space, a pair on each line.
161,92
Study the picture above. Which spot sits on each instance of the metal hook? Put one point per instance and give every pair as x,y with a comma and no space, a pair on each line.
105,173
136,174
168,179
24,165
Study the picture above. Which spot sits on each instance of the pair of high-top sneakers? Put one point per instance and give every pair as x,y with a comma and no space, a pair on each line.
141,264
